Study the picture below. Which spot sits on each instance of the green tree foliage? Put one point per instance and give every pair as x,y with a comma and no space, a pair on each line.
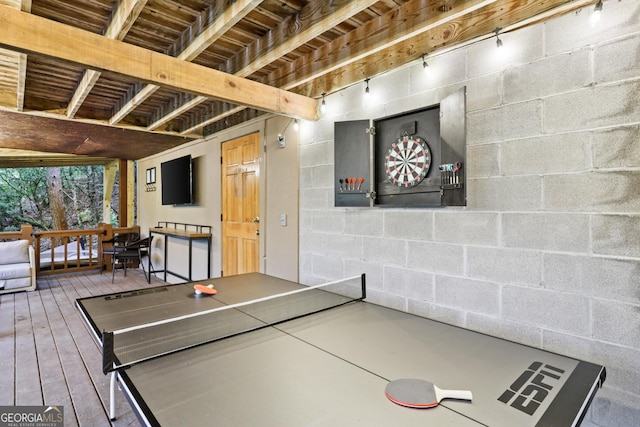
24,197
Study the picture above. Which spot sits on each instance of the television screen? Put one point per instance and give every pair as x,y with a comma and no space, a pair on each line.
177,183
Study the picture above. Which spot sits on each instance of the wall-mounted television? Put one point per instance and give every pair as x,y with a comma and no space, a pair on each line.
177,181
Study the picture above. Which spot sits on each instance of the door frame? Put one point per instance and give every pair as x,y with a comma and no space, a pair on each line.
261,197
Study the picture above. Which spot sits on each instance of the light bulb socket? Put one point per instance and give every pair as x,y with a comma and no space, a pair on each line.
598,7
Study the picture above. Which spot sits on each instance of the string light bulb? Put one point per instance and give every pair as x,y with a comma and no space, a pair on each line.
367,94
597,11
498,41
425,66
323,104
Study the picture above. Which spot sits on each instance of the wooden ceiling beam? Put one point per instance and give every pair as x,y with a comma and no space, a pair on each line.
222,112
9,77
410,20
13,67
25,6
233,14
419,29
15,158
22,81
403,36
293,32
32,34
506,14
181,109
126,14
226,19
53,133
310,22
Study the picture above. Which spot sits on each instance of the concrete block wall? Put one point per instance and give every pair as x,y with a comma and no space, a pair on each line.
547,251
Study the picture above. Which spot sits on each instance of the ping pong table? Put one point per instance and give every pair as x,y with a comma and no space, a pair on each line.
330,368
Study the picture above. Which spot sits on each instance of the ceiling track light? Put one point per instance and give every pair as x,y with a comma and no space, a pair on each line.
323,105
498,41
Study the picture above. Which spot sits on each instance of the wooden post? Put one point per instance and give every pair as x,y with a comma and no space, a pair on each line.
109,180
107,235
26,231
123,193
131,182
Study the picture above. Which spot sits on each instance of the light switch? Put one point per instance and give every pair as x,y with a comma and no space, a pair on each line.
283,220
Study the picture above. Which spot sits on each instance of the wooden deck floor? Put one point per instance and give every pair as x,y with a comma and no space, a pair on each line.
47,356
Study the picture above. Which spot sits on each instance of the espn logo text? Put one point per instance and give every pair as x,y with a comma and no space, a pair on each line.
532,387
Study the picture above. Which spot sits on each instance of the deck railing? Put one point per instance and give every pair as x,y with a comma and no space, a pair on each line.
23,234
69,251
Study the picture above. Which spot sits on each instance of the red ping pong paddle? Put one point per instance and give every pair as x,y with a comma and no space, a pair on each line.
416,393
202,289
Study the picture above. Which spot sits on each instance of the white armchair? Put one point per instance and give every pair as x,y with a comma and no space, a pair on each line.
17,266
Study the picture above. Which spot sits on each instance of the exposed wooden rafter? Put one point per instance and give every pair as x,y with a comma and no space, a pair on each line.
411,19
476,20
13,67
16,158
45,133
125,15
289,35
226,18
100,53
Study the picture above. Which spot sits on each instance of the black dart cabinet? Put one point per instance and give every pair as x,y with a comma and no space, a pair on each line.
416,158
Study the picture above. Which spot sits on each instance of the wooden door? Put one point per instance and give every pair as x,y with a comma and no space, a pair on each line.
241,205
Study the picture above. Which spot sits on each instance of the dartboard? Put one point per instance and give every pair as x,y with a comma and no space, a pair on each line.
408,161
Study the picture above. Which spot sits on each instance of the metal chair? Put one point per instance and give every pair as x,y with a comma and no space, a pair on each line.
134,251
118,241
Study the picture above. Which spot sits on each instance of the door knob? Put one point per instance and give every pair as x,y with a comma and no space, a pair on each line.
256,219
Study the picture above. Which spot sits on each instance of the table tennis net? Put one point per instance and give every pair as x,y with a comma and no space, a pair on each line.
125,347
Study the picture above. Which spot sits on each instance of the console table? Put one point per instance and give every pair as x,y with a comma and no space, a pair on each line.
190,232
